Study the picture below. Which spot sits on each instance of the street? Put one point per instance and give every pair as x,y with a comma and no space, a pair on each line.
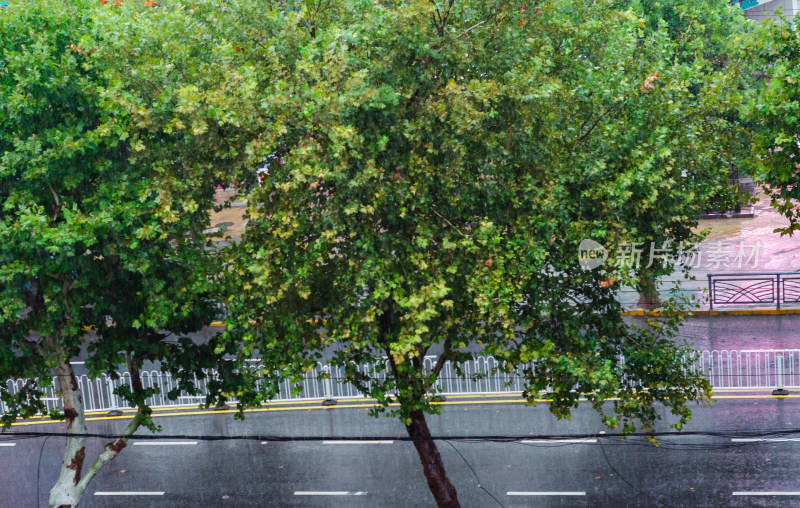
704,470
732,332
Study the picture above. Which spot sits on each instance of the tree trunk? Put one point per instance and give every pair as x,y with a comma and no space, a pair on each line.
69,488
441,488
64,492
649,298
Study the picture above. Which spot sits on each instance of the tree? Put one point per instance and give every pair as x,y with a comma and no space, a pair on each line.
438,166
102,246
773,51
700,30
701,34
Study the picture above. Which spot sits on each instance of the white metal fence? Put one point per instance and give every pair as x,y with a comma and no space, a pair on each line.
751,369
746,369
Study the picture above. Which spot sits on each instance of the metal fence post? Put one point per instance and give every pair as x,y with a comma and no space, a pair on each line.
112,399
327,389
778,290
780,390
710,293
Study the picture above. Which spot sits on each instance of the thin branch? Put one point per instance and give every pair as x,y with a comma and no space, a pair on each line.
476,25
57,207
451,224
55,195
112,450
589,131
448,347
438,24
447,14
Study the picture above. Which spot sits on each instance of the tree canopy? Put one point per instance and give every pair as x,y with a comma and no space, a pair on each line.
102,250
431,169
438,165
773,109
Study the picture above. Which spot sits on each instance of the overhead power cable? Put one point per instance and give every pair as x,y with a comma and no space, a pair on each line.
475,474
629,439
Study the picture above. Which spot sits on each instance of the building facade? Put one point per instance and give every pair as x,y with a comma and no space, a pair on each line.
759,10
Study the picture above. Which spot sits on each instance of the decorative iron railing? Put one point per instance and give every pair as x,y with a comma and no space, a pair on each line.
753,289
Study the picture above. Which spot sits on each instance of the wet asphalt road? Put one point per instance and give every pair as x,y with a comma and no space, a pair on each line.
731,332
683,471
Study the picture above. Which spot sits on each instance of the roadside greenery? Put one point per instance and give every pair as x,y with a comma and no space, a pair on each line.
101,221
430,170
439,166
773,109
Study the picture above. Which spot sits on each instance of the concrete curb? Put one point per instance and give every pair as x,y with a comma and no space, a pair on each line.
698,312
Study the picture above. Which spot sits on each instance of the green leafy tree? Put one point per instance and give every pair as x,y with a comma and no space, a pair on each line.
700,30
101,220
435,168
773,108
702,37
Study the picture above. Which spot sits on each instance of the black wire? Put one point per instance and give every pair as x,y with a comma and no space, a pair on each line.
474,473
39,467
605,456
671,445
761,433
20,438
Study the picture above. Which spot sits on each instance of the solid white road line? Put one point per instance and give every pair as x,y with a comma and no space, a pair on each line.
128,493
763,440
545,493
766,493
8,444
540,441
163,443
357,442
328,493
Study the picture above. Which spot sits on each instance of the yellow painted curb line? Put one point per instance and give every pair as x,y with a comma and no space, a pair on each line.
311,404
364,404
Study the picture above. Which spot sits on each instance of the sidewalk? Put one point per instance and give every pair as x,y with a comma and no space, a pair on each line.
228,221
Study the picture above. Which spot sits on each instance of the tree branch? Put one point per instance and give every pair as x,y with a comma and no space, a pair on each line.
589,131
112,450
448,347
451,224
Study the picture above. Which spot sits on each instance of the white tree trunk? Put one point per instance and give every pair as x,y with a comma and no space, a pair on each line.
65,492
70,486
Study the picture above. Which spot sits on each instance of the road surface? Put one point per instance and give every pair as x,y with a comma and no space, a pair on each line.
700,470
